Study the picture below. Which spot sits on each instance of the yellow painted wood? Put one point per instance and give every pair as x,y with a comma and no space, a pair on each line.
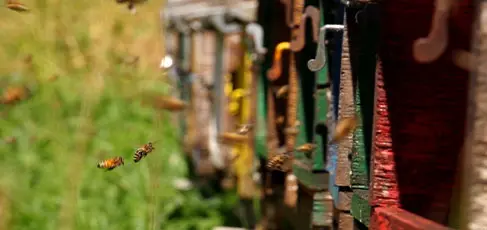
243,165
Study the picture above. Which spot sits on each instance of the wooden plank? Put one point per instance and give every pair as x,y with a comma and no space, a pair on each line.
384,188
425,109
320,130
344,200
345,221
332,154
346,108
364,37
322,210
396,218
361,209
474,208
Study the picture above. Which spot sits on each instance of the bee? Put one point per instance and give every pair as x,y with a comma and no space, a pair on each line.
110,164
282,91
293,130
280,162
131,4
280,120
169,103
344,127
307,148
244,129
464,59
16,6
143,151
14,94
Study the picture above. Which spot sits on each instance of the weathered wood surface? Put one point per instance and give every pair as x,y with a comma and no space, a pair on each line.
363,33
361,209
384,188
202,68
344,200
396,218
346,108
345,221
322,210
332,153
474,212
415,165
360,164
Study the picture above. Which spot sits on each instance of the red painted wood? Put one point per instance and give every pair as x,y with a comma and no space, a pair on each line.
399,219
384,188
425,109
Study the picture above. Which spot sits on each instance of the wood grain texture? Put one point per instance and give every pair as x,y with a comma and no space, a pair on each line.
361,209
426,110
396,218
322,209
332,153
344,200
475,213
360,166
363,34
346,108
345,221
384,188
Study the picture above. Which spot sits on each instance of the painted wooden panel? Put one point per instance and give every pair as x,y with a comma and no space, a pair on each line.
396,218
425,139
361,209
246,187
346,108
474,205
203,69
363,25
345,221
322,214
384,188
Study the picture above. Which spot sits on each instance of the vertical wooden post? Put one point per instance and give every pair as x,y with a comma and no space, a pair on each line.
474,208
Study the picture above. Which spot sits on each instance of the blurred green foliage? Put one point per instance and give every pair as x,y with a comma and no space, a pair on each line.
94,110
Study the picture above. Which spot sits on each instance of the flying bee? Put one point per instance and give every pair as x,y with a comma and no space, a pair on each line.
280,120
280,162
16,6
344,127
307,148
282,91
110,164
131,4
244,129
14,94
143,151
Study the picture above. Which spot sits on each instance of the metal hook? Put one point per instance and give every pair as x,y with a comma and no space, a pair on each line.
346,3
275,71
257,34
320,60
298,42
219,22
359,12
430,48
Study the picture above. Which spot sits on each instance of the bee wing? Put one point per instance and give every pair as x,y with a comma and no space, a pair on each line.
16,6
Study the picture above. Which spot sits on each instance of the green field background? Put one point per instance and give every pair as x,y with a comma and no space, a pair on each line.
92,111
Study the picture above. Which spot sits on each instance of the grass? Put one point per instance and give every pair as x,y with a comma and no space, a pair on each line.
92,111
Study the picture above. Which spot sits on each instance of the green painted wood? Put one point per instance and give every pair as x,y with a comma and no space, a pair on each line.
360,206
321,109
360,165
302,166
261,134
322,215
